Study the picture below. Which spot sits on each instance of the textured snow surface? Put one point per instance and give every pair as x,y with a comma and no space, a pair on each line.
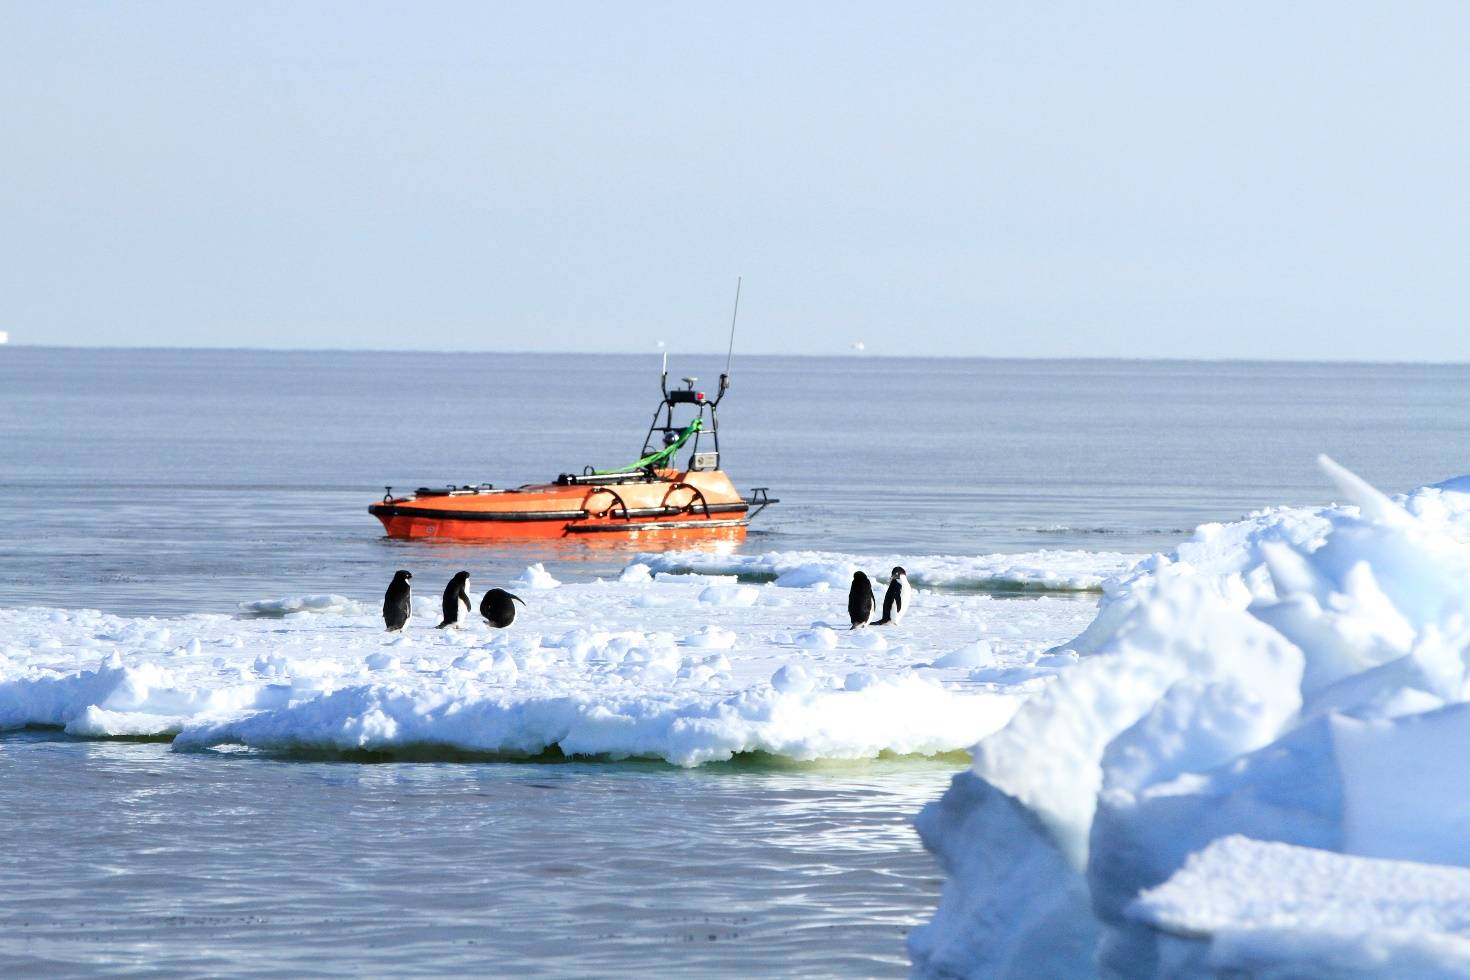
1057,571
685,668
1299,677
1255,907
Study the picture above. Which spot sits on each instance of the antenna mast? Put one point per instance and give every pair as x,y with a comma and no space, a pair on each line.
725,378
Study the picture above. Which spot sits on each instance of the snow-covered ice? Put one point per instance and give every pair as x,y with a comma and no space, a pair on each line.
1249,908
688,668
1298,677
1055,571
535,577
1249,749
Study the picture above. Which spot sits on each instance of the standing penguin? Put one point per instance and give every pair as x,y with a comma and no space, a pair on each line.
498,609
896,599
456,601
396,605
860,600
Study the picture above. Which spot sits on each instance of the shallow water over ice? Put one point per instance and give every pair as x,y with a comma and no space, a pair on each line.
137,857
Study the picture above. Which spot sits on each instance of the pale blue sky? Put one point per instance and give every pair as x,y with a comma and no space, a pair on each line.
1255,180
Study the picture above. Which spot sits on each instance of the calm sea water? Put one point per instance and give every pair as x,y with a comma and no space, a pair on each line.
178,481
125,857
167,482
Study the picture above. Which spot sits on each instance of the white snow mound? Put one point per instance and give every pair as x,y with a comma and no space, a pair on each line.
678,668
1297,677
1244,907
535,577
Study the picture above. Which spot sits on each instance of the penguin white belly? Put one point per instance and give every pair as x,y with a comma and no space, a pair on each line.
905,596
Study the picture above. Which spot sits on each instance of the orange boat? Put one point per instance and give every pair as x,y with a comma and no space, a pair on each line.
652,496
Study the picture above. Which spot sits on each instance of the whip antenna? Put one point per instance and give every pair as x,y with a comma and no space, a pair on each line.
733,316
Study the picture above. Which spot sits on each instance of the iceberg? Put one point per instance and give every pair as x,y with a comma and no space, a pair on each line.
1293,680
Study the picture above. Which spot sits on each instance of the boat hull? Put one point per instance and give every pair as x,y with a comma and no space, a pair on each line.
673,505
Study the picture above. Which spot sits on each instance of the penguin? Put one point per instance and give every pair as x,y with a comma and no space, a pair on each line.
456,601
396,605
498,609
896,599
860,600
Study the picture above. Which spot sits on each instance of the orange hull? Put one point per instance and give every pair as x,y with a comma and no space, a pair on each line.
671,504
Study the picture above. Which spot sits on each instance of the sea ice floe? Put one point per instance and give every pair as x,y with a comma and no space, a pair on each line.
590,668
1057,570
1298,678
296,604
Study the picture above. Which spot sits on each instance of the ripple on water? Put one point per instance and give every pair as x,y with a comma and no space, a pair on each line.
126,855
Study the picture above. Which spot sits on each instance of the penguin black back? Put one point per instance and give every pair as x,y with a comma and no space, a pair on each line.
860,600
397,607
456,600
498,608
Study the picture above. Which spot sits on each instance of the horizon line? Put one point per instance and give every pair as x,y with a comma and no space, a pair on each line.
841,355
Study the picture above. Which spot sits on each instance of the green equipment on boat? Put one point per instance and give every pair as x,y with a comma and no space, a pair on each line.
655,460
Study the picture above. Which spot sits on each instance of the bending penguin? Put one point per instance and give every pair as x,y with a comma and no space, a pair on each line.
396,605
896,599
456,601
498,609
860,600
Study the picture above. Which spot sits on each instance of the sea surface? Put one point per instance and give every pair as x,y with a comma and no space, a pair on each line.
160,483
